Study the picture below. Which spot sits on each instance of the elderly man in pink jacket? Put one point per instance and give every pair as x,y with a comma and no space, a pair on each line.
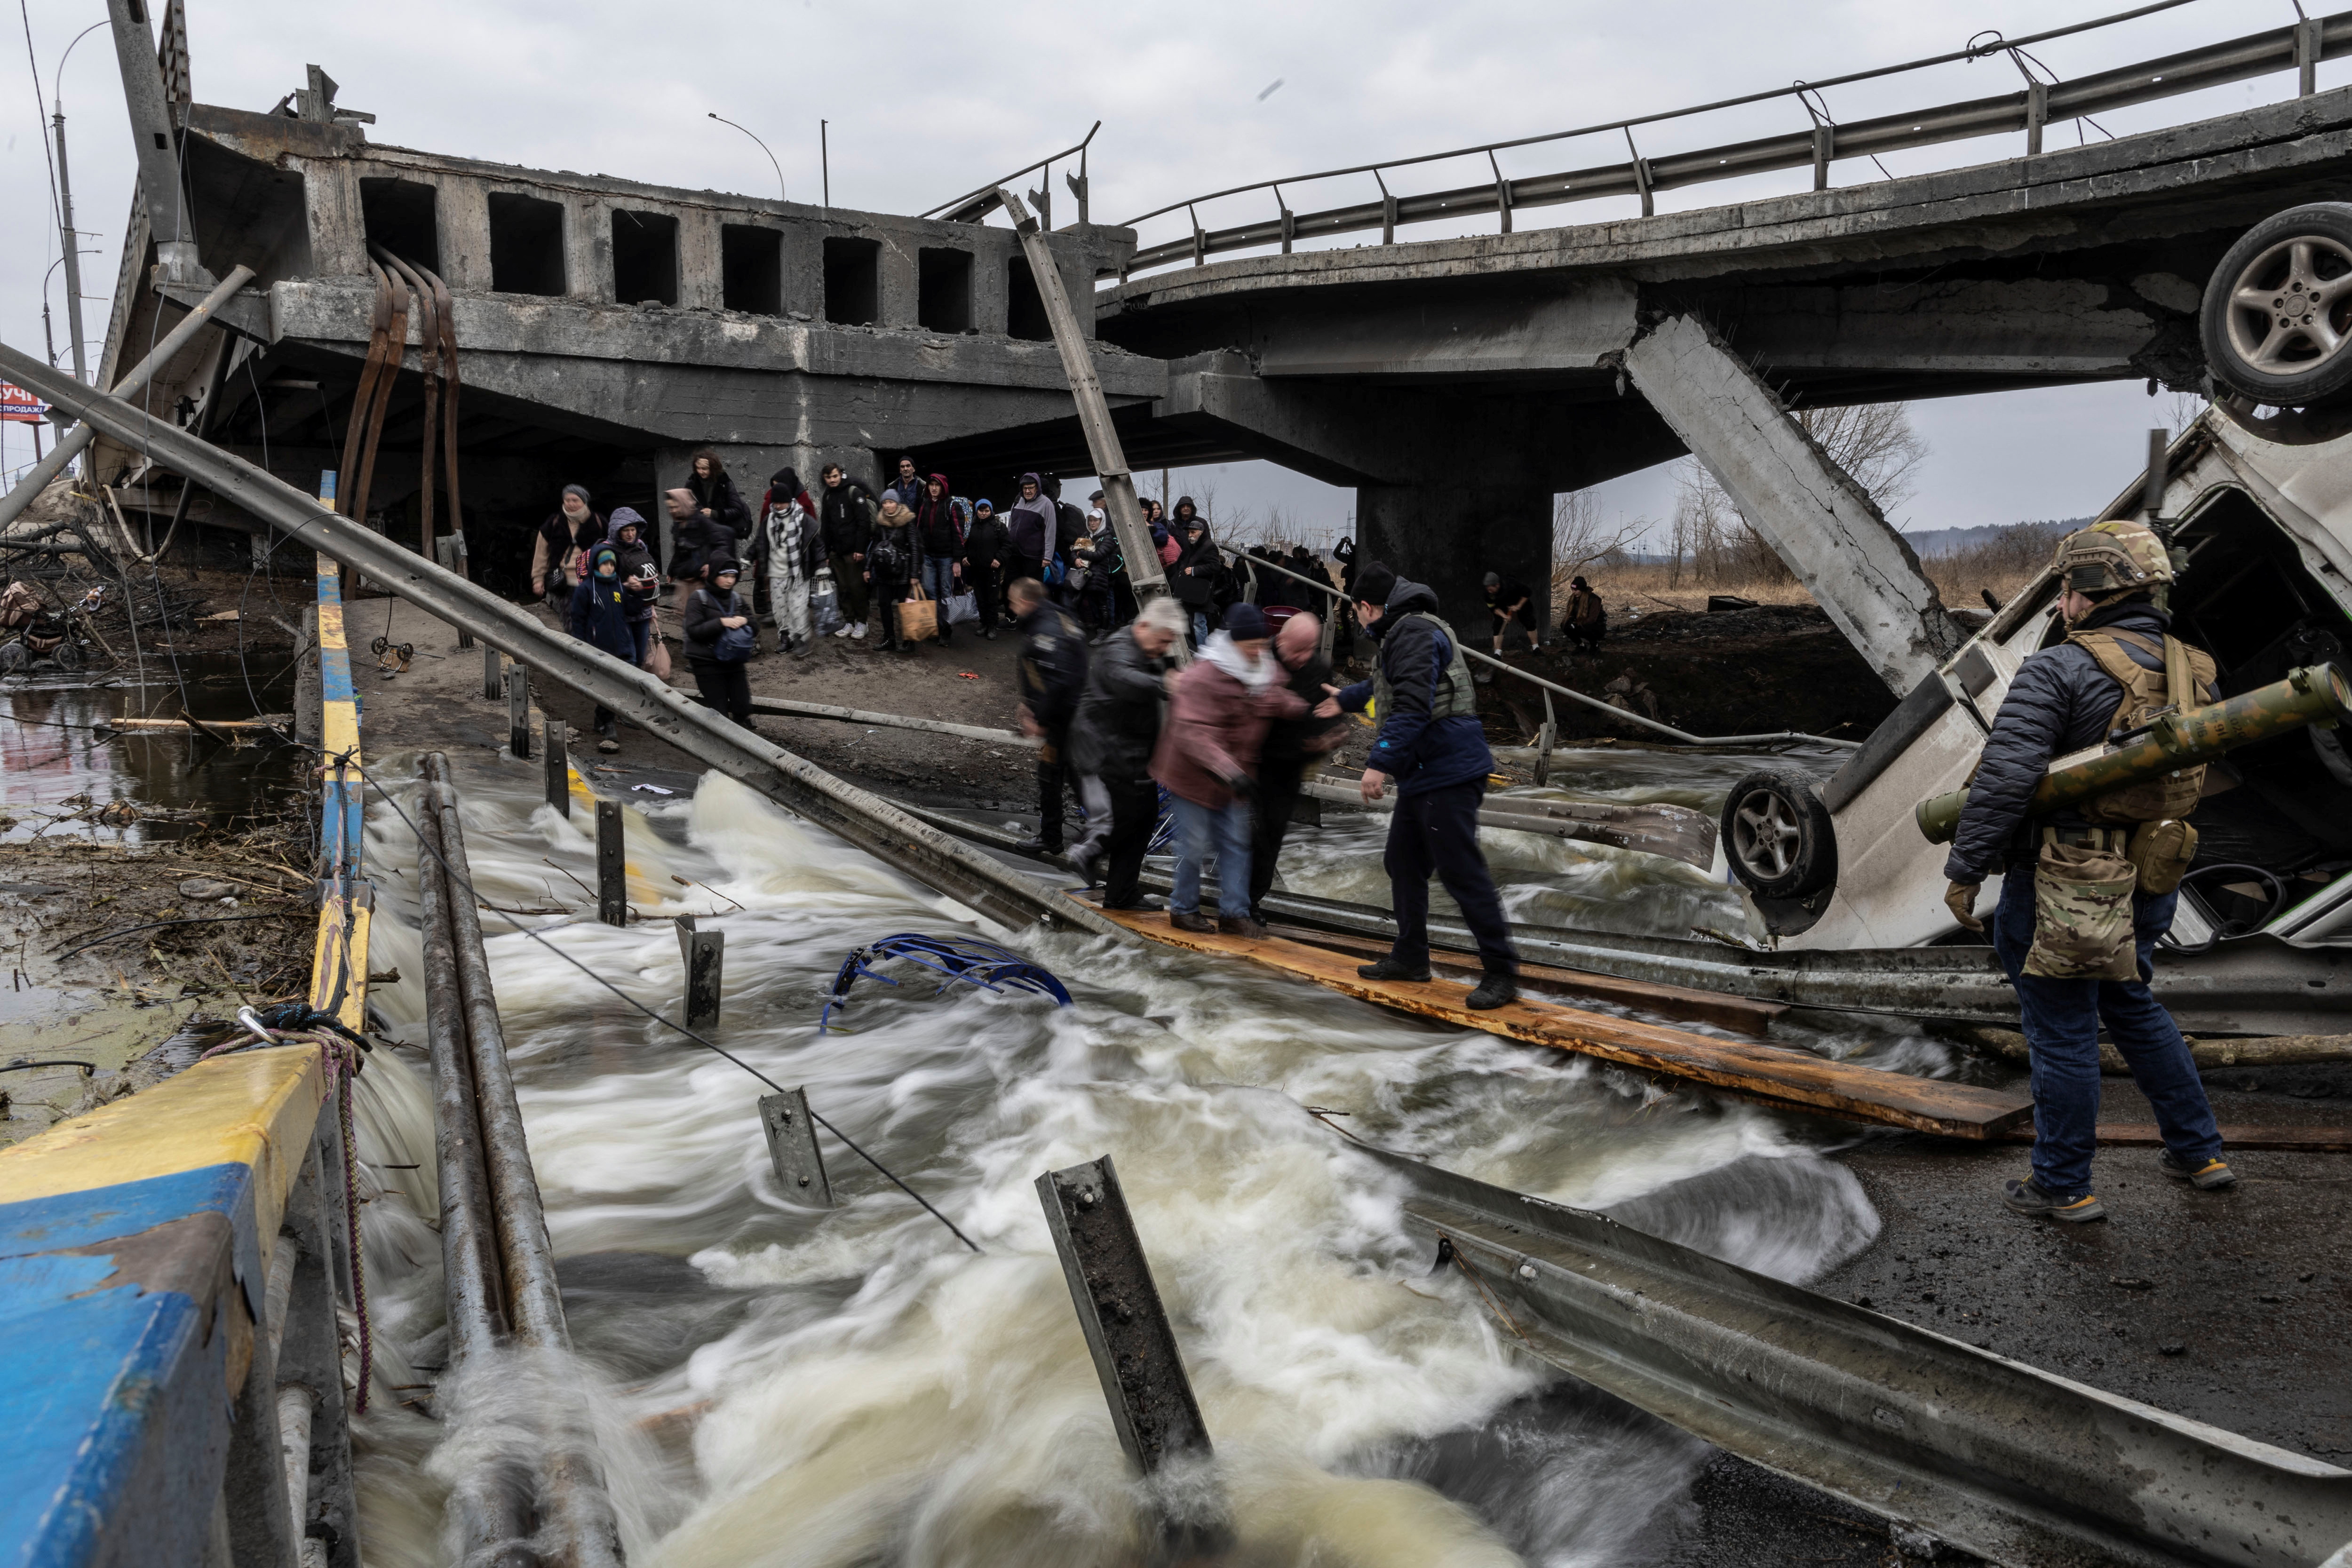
1207,759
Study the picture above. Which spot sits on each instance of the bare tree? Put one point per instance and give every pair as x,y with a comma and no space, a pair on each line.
1579,540
1875,443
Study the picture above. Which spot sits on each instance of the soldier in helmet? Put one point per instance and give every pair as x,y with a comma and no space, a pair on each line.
2089,890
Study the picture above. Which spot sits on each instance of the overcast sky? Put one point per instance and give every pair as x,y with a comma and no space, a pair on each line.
927,100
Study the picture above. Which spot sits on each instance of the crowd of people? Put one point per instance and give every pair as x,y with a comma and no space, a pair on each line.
1225,738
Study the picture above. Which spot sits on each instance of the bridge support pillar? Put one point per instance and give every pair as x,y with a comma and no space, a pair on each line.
1811,512
1452,531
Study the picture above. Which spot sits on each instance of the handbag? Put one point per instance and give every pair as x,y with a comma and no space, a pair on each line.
918,617
825,604
962,607
658,653
734,643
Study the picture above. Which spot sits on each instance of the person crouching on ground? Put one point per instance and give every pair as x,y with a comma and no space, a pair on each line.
1051,675
599,617
1111,743
890,567
1586,618
1207,757
1430,743
1292,747
718,640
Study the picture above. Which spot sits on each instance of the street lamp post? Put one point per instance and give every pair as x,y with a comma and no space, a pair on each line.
763,147
65,209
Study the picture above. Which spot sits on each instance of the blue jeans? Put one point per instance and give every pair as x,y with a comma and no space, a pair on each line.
1199,832
2061,1020
1200,628
644,632
940,580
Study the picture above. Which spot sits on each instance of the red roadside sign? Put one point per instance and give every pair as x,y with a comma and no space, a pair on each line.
21,406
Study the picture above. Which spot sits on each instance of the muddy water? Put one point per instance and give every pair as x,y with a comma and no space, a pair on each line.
778,1384
52,753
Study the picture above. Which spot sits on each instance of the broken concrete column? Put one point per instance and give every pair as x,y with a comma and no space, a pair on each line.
1450,534
1822,523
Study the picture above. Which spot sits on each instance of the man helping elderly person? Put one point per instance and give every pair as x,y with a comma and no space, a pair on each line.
1207,759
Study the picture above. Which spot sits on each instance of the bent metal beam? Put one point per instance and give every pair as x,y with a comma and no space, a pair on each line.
865,820
2009,1461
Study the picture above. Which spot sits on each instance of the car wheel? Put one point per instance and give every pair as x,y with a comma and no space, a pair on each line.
1778,836
2277,315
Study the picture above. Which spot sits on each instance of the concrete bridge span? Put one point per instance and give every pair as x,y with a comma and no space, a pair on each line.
1458,384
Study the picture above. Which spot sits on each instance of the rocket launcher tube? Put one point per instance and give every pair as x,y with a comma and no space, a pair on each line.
2315,694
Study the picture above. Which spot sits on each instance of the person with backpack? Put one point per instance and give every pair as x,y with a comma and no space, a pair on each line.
569,531
719,641
599,617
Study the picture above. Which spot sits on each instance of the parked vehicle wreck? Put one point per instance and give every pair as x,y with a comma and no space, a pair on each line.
2255,498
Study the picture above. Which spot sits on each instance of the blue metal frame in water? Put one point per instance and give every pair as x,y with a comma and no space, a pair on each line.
964,958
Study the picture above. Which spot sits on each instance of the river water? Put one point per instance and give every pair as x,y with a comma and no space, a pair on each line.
777,1385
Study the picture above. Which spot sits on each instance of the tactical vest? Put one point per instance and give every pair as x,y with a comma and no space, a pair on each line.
2147,692
1455,697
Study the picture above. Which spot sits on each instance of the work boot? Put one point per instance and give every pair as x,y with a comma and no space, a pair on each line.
988,633
1495,990
1191,923
2207,1176
1390,969
2027,1197
1037,846
1241,926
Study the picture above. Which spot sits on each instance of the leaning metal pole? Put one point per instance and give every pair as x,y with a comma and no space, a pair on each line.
71,442
1135,545
581,1512
865,820
491,1503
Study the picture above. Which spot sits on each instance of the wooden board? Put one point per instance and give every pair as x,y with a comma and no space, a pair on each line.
1726,1012
1797,1078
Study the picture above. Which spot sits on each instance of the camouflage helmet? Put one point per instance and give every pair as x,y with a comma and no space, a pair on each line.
2116,557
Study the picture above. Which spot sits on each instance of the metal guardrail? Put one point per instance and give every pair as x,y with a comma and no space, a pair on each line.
2299,47
975,205
861,819
1681,737
2005,1459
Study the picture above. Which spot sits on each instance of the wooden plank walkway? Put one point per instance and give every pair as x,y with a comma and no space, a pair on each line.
1792,1078
1725,1012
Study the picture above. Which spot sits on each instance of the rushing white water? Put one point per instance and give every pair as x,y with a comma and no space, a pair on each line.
779,1384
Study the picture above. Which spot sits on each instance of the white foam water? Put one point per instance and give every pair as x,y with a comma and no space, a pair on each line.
775,1384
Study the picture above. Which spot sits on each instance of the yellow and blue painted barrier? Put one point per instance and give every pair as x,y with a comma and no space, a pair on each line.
136,1245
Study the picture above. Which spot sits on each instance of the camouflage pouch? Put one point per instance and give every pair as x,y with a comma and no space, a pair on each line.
2161,852
2082,915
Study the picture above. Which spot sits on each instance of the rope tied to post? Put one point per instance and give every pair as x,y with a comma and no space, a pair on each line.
340,1058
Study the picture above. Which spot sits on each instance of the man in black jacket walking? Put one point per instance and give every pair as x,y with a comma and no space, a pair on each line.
1292,747
1111,743
2075,884
1052,674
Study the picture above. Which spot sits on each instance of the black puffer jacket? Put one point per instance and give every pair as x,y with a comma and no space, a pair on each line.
2061,701
1119,718
1053,667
